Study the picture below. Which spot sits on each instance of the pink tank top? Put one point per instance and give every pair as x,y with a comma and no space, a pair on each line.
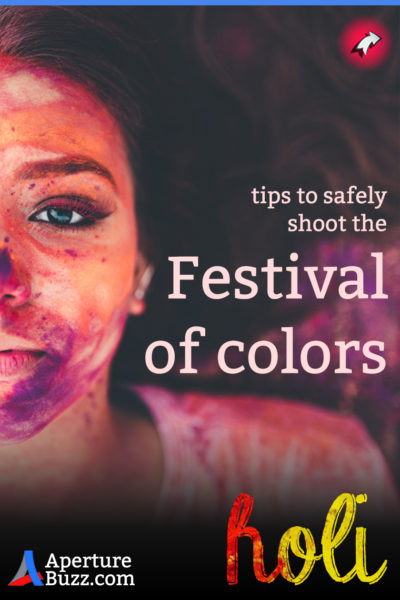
292,457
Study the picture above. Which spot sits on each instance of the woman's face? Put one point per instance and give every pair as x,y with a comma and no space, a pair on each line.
67,246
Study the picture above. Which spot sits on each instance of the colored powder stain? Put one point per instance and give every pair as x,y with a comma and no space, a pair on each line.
12,128
6,240
71,253
38,295
31,186
103,259
5,265
44,318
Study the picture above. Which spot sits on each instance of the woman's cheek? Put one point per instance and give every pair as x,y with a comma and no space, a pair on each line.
102,286
103,340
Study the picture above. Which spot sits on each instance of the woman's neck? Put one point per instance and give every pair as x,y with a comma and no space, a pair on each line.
89,459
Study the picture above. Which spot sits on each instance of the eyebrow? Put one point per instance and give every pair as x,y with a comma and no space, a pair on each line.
67,165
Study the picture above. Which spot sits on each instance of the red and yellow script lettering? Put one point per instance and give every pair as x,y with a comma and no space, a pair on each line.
333,535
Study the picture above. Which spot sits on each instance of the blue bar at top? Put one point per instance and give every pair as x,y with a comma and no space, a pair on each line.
203,3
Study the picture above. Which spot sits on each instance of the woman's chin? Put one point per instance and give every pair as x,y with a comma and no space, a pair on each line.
32,399
18,433
25,409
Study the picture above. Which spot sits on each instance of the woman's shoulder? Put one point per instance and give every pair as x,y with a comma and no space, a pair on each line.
221,445
242,414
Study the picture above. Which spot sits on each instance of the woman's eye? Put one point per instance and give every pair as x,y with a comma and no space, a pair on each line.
59,216
70,211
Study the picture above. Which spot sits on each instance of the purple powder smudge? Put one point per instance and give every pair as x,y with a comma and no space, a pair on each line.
71,253
5,265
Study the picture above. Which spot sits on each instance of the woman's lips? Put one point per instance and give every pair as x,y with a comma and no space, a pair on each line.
15,361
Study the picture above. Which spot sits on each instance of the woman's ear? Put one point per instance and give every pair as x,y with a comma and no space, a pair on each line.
143,275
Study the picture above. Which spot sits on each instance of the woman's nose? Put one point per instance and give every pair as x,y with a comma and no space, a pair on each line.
14,289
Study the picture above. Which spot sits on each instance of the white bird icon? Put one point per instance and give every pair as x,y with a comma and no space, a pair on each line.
370,39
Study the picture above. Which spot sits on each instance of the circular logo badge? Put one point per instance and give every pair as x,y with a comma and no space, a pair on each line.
365,43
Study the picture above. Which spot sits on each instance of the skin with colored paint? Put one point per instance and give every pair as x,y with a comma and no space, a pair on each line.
68,250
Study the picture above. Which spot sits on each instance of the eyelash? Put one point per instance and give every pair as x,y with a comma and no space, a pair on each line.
80,205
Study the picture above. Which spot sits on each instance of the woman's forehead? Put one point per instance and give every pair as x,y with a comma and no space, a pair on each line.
55,114
24,86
